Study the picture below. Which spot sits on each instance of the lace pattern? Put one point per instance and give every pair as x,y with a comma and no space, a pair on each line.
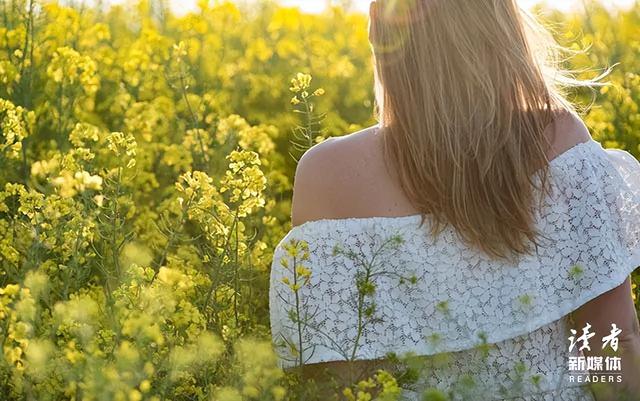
360,288
528,367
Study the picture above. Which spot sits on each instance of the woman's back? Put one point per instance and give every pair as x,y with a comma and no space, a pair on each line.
373,281
347,176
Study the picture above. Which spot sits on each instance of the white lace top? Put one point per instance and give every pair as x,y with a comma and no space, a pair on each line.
361,288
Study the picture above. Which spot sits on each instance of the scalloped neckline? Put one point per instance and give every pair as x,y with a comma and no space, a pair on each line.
410,217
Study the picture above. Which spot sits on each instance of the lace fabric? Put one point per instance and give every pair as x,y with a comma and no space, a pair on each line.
361,288
530,367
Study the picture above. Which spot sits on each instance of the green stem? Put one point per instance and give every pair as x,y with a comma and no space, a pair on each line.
361,297
236,273
298,318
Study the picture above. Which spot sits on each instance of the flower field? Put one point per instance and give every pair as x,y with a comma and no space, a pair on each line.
147,166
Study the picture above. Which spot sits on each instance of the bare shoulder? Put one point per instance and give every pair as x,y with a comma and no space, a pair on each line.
321,172
567,130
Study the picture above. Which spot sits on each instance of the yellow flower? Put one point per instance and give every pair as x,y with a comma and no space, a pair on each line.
43,168
135,395
179,49
10,290
245,182
82,133
85,180
68,67
15,125
145,386
300,82
302,271
99,200
124,147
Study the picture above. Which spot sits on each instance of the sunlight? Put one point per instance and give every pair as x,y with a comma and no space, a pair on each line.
363,5
316,6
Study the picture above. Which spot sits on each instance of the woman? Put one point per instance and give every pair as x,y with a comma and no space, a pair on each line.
477,238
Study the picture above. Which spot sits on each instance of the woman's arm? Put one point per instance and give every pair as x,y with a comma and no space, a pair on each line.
615,306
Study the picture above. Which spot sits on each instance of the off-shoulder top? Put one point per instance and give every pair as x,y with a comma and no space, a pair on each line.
362,288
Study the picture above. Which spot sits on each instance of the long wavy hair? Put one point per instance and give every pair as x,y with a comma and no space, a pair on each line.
465,91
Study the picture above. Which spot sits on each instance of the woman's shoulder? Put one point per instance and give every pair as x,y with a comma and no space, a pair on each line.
335,152
329,170
566,131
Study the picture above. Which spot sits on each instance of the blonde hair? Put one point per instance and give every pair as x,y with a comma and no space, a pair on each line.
464,93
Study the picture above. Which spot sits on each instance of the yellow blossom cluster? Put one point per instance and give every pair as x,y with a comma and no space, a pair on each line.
123,147
70,184
382,386
15,125
68,67
299,275
244,181
300,85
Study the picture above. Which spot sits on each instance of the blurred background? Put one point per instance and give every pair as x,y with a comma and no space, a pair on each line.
148,150
316,6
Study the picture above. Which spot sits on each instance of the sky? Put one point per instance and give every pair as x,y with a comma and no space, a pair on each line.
182,6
